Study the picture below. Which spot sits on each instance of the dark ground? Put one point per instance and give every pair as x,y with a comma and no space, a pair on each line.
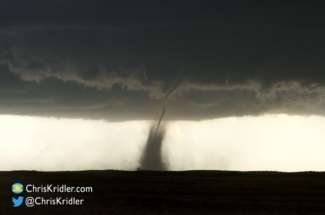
189,192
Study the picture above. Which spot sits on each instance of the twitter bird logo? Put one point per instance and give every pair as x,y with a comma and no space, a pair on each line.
17,202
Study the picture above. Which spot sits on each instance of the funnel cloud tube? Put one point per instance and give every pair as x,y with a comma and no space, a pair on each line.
178,81
152,156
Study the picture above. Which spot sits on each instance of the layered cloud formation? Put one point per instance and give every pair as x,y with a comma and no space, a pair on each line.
116,61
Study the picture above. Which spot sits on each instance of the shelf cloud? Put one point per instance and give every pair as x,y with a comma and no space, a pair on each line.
117,60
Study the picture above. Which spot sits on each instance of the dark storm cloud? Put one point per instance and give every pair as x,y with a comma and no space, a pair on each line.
116,59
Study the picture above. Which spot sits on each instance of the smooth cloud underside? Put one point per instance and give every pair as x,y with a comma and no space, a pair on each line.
112,61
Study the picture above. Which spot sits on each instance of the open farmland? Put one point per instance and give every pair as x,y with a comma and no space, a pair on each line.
186,192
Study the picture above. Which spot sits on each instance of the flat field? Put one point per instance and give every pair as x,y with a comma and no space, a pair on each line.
185,192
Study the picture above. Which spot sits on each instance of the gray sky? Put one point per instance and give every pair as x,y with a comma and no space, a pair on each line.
115,60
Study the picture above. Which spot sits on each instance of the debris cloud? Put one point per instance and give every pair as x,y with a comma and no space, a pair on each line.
152,156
